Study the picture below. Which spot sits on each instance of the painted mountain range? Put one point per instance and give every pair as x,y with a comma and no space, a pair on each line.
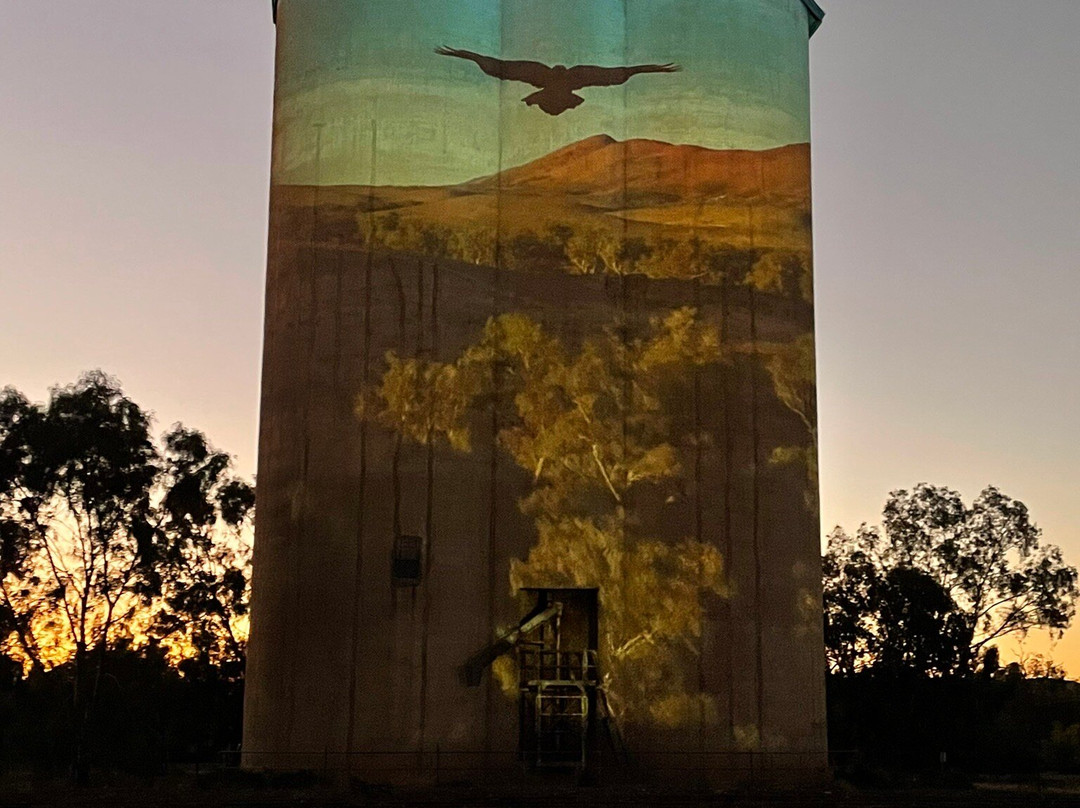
636,187
602,167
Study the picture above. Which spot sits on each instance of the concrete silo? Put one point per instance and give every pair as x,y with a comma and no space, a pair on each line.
537,471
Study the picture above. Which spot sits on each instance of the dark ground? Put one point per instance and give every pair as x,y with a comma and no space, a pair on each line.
187,792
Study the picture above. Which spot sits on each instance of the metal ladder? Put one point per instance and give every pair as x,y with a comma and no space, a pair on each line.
562,723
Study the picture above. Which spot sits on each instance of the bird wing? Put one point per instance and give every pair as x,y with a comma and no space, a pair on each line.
534,73
595,76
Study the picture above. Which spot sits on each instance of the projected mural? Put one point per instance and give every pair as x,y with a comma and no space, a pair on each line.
540,320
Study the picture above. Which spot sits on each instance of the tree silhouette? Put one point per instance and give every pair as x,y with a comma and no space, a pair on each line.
202,564
918,628
940,582
99,531
78,501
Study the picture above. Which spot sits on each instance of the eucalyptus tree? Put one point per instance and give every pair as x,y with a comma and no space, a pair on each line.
940,581
107,540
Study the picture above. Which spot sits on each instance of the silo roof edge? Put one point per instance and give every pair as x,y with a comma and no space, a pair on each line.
817,14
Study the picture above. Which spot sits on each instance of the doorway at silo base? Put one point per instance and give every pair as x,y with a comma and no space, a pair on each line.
568,735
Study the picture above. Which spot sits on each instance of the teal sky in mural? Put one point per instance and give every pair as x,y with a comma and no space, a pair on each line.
372,79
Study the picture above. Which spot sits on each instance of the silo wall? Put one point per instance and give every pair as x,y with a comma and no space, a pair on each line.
558,326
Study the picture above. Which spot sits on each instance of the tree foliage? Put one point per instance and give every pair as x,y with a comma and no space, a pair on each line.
107,538
793,369
939,582
203,582
76,516
592,426
110,542
588,250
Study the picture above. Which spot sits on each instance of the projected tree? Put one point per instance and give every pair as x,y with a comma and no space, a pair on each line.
593,428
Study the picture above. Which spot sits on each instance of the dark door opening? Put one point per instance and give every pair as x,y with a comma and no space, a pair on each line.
558,680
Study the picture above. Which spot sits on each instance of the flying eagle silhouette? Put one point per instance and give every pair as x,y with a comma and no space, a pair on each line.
557,84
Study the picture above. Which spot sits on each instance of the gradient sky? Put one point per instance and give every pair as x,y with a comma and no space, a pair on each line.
134,173
743,83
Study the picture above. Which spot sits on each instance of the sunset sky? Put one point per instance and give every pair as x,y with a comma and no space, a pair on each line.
134,174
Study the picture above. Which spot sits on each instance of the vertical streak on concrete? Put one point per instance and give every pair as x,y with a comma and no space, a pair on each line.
430,505
428,543
427,568
429,521
623,324
428,574
339,305
419,351
429,526
759,615
399,441
493,468
699,533
729,390
395,462
759,660
300,496
435,312
358,569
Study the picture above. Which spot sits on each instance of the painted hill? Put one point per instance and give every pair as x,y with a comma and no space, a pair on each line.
601,166
644,188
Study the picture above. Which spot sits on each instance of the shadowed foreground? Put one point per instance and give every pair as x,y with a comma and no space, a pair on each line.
253,791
